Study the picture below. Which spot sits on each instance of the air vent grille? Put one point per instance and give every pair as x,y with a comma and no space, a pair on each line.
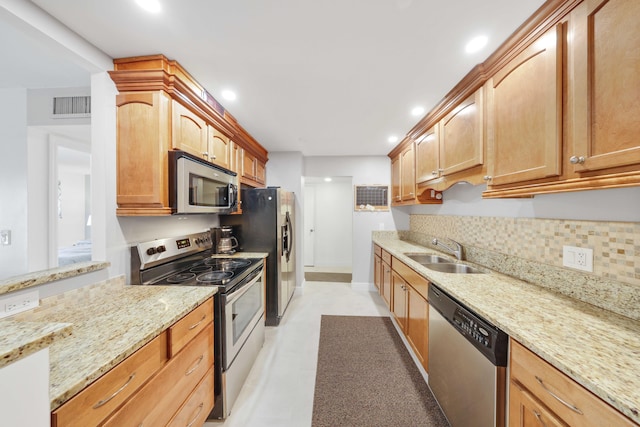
71,107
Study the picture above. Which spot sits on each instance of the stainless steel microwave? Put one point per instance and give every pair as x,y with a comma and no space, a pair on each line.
198,186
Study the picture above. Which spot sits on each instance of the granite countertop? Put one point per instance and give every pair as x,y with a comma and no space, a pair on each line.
92,329
597,348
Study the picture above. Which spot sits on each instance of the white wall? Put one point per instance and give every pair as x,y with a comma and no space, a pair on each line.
364,170
284,169
333,222
13,180
618,204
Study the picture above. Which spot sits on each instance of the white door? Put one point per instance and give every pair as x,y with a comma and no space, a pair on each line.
309,224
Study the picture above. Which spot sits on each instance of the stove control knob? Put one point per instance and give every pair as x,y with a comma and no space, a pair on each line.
151,251
161,249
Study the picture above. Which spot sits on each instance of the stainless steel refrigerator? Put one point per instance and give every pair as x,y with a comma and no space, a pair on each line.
267,224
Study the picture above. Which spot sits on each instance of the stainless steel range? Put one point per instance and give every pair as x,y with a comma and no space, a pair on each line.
239,310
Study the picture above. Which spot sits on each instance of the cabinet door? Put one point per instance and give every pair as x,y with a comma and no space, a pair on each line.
395,180
462,141
219,148
399,300
261,176
377,272
427,155
248,165
190,132
385,290
606,82
143,141
408,174
525,107
418,325
525,411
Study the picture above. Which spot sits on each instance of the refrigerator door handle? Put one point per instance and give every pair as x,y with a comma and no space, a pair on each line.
289,235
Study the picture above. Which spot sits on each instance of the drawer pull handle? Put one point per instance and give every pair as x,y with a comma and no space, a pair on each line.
195,325
197,414
558,398
104,401
195,366
539,417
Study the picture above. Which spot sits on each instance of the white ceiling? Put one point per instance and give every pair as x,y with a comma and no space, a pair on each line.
330,77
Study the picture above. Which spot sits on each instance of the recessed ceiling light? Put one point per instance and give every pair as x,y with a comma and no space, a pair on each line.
229,95
152,6
327,179
393,139
476,43
417,111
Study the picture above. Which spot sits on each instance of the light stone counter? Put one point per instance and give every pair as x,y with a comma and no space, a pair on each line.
101,325
597,348
20,339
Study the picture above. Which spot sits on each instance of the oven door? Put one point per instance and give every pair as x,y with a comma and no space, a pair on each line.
244,308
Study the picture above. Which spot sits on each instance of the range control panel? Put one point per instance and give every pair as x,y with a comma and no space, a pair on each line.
473,328
160,250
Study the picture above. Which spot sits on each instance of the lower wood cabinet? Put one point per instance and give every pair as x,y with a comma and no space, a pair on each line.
400,300
541,395
385,283
166,379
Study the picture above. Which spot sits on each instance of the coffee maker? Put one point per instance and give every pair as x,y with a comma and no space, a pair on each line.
224,241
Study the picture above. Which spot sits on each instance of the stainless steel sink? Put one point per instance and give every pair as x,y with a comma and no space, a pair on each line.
427,258
453,268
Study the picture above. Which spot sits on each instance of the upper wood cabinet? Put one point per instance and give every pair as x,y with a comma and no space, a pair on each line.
462,136
160,107
525,113
408,174
428,155
190,132
219,148
142,160
395,180
605,74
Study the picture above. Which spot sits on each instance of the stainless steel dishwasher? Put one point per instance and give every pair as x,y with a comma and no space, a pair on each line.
467,363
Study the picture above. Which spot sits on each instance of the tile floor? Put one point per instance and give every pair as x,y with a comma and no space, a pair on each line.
279,389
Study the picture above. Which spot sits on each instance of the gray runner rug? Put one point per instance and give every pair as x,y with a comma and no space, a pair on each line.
366,378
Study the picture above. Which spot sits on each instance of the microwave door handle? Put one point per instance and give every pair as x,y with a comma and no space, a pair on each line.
232,195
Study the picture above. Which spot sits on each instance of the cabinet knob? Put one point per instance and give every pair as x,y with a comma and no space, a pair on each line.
213,157
205,154
434,172
487,178
440,170
576,160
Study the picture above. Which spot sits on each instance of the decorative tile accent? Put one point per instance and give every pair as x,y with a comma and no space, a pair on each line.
616,245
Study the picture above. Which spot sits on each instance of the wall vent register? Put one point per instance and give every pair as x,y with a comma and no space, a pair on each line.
371,198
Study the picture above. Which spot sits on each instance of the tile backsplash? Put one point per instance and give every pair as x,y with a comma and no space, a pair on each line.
616,245
531,250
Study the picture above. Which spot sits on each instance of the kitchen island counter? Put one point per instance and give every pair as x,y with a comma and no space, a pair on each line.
95,328
599,349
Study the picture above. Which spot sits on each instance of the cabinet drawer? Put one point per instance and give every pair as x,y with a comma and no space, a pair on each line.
98,400
386,256
161,397
416,281
198,406
574,404
185,329
377,250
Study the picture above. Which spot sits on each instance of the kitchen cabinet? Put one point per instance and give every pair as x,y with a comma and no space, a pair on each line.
542,395
142,160
400,300
428,155
160,107
377,267
412,311
605,83
525,114
385,284
462,137
395,180
408,174
175,362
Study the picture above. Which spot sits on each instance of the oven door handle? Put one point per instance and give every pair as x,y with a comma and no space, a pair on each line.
243,289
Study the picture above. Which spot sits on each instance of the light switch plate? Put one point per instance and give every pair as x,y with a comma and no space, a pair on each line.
578,258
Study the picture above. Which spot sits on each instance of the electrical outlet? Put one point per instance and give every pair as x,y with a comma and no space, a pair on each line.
18,303
578,258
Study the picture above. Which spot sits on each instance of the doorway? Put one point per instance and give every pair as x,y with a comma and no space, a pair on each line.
328,229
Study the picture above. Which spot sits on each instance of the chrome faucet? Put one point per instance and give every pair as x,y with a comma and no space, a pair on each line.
457,251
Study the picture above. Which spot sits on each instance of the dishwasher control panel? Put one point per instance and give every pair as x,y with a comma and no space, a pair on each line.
473,328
